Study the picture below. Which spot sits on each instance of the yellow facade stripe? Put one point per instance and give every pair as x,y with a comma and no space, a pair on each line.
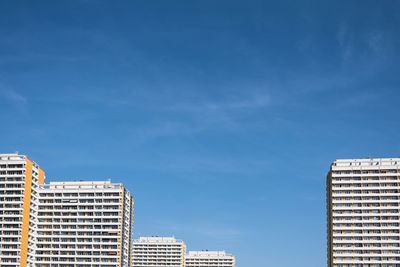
183,253
41,176
26,213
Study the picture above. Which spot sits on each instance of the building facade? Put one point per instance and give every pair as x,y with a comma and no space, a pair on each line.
363,197
79,224
61,224
84,224
19,182
158,252
209,259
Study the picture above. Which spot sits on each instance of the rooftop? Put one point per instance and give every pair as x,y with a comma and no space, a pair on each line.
156,239
206,253
12,156
367,162
82,185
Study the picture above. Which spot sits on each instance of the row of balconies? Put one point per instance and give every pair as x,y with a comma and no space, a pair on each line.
74,235
371,190
354,195
351,228
99,208
191,260
85,215
363,181
380,247
7,186
79,227
365,206
334,172
72,203
154,254
337,242
369,231
381,236
74,247
156,261
77,260
366,199
80,195
95,254
80,221
364,210
88,201
367,259
138,244
42,264
367,237
381,216
368,246
364,188
74,241
364,221
363,200
367,253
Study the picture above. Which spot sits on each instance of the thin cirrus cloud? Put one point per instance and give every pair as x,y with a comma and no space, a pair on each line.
216,230
222,114
17,100
250,102
199,117
12,95
345,40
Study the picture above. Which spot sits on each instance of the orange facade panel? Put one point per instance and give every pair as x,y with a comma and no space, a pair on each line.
41,176
26,213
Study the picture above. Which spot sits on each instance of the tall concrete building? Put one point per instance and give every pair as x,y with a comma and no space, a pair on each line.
158,252
363,197
61,224
84,224
19,182
209,259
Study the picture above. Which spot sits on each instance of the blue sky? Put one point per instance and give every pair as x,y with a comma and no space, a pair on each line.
222,117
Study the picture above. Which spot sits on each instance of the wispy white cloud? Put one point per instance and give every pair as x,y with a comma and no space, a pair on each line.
249,102
367,48
345,40
382,47
375,40
195,117
211,230
12,95
19,101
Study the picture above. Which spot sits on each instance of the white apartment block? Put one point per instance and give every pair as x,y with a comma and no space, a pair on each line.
363,197
84,224
158,252
61,224
209,259
19,181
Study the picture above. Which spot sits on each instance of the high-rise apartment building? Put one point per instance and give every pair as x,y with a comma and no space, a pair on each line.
84,224
363,197
79,224
19,181
158,252
209,259
61,224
